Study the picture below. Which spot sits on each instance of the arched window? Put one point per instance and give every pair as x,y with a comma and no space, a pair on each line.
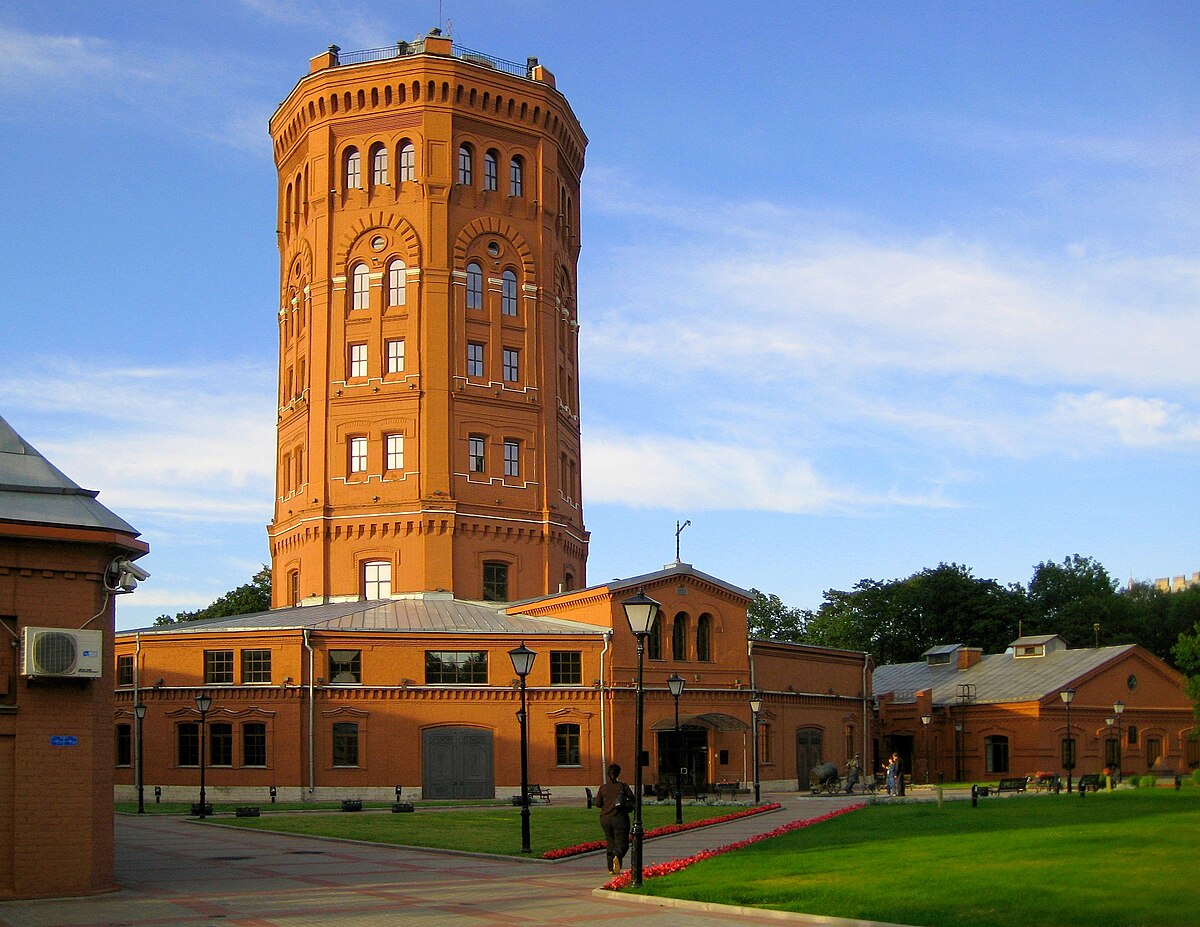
465,164
474,286
361,287
377,580
679,635
490,170
397,279
408,162
353,171
379,165
508,293
704,638
516,177
654,639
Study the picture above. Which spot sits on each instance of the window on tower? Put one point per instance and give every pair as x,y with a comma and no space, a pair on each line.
395,356
377,580
358,360
353,169
395,452
490,170
474,286
512,365
495,581
358,455
512,457
474,359
379,165
408,162
476,453
362,287
516,177
466,159
397,280
508,293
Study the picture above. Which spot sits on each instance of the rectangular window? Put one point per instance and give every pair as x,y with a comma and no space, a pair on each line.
474,359
358,360
476,454
254,744
124,745
345,744
566,744
512,365
995,752
395,452
358,455
1068,753
495,581
512,457
1133,735
220,744
1191,751
218,667
764,745
377,580
125,670
345,667
456,668
566,668
187,735
395,356
256,666
516,178
1112,751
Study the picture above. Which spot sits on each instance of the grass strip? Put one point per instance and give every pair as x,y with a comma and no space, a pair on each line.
1124,859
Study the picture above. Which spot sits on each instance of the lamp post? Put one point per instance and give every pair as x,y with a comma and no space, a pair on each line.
1118,709
1068,696
755,708
139,712
640,612
675,683
203,703
925,720
522,660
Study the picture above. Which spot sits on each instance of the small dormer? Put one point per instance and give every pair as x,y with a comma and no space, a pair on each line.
941,655
1036,646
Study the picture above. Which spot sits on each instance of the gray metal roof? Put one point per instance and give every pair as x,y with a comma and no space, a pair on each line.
675,569
34,491
424,614
999,677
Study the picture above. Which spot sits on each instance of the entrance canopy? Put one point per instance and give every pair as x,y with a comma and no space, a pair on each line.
713,720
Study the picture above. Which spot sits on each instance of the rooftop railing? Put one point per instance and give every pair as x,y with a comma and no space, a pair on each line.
405,49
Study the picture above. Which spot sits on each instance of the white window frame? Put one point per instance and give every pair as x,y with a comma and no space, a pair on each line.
358,360
360,278
358,454
474,286
397,283
395,356
466,166
508,293
353,169
394,452
477,454
512,457
516,176
379,165
377,580
475,355
408,163
512,365
491,170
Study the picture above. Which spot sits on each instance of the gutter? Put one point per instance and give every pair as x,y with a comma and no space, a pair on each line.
307,646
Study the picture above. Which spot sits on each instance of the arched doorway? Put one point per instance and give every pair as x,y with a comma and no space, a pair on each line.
808,754
457,763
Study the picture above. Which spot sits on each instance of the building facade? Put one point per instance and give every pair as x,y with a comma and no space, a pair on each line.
428,421
58,551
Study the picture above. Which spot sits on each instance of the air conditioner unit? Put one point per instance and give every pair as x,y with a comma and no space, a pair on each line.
61,652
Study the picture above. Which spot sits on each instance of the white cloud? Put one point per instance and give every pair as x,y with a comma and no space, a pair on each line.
1133,421
28,60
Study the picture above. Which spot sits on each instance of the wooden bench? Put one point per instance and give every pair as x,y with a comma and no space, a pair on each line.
727,790
1047,784
1015,784
1093,781
533,793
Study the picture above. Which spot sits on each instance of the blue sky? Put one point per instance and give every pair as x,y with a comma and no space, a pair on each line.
865,286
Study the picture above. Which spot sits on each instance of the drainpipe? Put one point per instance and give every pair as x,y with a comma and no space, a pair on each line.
866,755
137,698
307,646
603,715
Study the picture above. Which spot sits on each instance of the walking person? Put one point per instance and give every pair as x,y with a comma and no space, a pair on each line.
893,770
615,800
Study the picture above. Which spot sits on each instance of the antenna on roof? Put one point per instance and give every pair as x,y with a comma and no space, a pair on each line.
678,531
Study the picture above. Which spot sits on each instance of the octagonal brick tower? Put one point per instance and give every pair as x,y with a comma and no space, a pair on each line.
428,431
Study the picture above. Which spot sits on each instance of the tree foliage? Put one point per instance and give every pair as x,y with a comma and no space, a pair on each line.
254,596
768,618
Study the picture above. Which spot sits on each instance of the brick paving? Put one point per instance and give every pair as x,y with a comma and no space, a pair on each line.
176,873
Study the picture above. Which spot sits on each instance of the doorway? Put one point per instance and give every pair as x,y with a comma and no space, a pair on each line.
808,755
457,763
692,755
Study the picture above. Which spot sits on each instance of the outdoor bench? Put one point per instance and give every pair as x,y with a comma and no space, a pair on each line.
533,793
1047,784
1017,784
1092,781
727,789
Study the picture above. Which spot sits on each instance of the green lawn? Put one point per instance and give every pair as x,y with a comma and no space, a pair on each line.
478,830
1124,859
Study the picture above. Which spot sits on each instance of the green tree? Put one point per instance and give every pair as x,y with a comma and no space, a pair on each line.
767,618
1073,597
1187,658
254,596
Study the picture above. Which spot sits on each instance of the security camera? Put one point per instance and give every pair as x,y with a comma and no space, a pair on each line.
139,574
123,576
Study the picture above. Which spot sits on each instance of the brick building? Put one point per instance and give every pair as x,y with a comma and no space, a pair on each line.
60,565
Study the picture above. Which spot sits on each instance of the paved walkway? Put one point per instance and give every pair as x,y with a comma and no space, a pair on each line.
175,873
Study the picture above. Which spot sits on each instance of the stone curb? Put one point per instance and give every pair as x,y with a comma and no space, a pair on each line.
731,910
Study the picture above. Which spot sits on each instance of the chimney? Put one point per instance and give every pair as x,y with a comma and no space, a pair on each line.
969,656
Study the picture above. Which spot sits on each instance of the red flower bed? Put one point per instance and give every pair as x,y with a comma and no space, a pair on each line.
674,865
661,831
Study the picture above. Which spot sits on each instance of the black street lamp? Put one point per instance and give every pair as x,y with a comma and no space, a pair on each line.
640,612
139,712
755,708
925,720
675,683
522,660
1118,709
1068,696
203,703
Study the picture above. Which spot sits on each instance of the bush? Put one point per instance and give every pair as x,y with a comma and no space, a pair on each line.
1135,782
1196,777
1149,782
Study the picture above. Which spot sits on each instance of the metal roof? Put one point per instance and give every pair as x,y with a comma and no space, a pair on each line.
35,491
420,614
999,677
